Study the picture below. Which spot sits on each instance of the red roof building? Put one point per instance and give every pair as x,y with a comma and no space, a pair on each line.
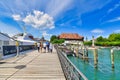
71,36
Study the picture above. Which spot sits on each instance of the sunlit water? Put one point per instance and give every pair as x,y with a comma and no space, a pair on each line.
104,70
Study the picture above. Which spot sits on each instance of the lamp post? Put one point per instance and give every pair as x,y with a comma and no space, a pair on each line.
93,42
17,46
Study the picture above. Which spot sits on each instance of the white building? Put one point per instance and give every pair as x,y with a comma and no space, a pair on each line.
71,38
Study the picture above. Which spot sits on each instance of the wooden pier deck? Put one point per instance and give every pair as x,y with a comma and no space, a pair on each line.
32,66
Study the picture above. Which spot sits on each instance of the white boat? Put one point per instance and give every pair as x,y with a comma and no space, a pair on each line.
24,39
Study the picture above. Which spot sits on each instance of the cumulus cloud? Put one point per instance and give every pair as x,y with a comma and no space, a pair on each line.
37,19
16,17
97,31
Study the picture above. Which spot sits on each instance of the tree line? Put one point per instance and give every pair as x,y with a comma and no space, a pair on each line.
55,40
112,40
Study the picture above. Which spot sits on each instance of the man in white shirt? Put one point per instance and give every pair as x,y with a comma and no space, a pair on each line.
38,46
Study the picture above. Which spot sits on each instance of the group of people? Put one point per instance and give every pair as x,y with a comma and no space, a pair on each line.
44,47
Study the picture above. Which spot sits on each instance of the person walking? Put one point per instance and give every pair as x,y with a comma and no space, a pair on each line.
38,46
44,46
41,46
51,47
47,46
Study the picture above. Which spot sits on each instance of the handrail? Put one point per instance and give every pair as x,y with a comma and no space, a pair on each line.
70,70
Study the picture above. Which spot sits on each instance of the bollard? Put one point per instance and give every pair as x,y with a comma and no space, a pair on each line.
83,54
112,58
95,58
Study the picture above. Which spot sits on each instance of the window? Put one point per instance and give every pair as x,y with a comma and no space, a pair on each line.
6,43
0,42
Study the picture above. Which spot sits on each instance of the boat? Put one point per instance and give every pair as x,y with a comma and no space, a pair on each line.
68,52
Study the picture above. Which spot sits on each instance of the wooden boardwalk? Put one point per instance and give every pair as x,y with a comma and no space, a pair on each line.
32,66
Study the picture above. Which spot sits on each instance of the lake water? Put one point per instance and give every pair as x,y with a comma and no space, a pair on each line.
104,70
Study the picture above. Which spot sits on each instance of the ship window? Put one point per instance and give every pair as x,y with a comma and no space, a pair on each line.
6,42
0,42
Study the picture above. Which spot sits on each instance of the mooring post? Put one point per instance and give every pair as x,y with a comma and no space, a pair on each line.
83,52
112,58
76,52
95,58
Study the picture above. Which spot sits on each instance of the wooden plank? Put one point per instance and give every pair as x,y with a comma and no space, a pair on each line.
32,66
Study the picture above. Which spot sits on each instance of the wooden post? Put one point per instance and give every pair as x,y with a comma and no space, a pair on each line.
76,51
112,58
83,53
95,58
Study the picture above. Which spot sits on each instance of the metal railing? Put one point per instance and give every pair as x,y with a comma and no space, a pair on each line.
69,69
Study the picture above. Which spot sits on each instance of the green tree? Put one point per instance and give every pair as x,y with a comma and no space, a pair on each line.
114,37
101,39
53,37
58,41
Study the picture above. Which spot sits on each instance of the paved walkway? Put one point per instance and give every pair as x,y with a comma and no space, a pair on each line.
32,66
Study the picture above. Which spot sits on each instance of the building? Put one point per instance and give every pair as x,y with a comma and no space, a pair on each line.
71,38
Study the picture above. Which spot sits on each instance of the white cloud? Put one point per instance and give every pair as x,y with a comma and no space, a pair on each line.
37,20
97,31
16,17
113,8
113,20
109,11
55,7
44,33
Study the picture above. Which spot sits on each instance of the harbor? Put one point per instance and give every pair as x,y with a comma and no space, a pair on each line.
59,39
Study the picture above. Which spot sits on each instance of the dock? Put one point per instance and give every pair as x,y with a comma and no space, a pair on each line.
32,66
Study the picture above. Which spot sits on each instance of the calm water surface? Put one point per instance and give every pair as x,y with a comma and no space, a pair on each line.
104,70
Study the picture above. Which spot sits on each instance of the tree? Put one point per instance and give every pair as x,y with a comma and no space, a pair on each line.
114,37
53,37
101,39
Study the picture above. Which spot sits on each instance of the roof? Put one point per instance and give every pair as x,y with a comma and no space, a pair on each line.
72,36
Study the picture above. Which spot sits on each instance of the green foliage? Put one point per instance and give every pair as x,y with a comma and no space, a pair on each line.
58,41
107,43
88,43
101,39
114,37
53,37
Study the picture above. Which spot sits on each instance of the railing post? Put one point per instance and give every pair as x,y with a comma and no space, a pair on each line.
69,69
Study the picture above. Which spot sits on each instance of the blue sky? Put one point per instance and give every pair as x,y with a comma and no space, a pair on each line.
53,17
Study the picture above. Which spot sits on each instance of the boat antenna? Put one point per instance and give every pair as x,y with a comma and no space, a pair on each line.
24,30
